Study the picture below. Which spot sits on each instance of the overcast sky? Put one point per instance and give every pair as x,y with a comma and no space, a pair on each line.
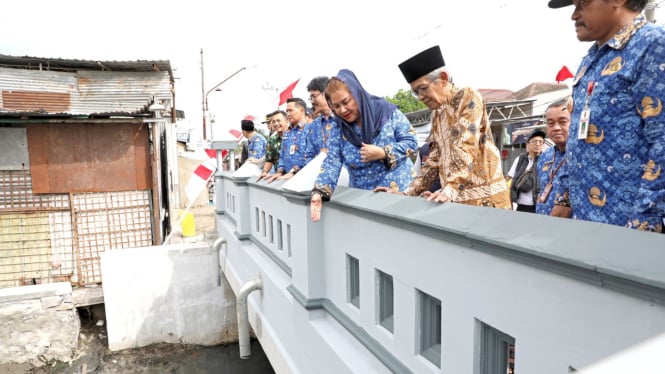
502,44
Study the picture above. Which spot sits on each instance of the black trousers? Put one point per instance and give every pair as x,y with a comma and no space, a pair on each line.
526,208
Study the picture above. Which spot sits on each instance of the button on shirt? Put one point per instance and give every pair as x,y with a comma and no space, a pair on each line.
615,175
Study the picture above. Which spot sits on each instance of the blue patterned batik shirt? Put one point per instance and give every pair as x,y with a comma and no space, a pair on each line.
550,163
292,154
318,135
398,140
616,175
256,146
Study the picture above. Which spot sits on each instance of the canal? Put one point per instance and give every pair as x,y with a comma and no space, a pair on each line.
93,356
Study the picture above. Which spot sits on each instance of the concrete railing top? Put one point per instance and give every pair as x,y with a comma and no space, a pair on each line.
578,248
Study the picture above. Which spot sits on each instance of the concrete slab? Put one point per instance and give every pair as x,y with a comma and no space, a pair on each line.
170,294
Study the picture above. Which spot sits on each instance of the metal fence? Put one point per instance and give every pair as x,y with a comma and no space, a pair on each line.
59,237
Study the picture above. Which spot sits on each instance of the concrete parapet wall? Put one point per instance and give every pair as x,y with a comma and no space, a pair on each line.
167,294
38,324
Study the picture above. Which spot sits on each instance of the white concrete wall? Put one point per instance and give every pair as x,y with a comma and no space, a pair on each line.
571,293
171,294
38,324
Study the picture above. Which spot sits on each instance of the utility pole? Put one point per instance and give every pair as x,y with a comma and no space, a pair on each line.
203,99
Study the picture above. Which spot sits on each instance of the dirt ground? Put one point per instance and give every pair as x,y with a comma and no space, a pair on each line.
204,221
93,356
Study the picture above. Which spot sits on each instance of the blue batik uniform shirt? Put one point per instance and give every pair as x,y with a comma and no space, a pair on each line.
256,146
616,175
318,135
396,137
292,154
549,167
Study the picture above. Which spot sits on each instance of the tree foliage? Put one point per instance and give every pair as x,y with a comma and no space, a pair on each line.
406,102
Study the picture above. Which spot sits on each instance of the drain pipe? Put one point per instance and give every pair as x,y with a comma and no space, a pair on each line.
217,245
243,319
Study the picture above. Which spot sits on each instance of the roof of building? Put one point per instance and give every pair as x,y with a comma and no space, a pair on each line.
51,87
535,89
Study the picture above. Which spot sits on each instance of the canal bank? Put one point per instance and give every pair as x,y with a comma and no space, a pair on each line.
93,356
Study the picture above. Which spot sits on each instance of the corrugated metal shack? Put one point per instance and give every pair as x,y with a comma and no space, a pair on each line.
81,167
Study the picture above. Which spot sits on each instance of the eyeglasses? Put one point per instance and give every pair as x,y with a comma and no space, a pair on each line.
314,96
536,142
422,90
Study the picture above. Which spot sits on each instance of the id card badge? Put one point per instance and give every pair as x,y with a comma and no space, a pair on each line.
583,129
292,149
542,196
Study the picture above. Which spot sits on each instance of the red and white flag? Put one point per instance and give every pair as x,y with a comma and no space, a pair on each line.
205,170
563,74
287,93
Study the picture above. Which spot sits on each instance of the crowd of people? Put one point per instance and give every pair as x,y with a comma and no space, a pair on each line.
608,137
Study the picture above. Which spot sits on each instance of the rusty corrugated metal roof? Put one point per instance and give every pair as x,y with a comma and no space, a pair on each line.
59,64
31,86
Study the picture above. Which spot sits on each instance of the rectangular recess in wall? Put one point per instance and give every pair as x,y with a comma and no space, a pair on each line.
288,240
497,350
263,223
385,302
256,214
429,339
271,229
280,238
353,280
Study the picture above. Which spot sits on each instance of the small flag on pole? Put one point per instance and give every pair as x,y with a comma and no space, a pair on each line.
287,93
199,179
563,74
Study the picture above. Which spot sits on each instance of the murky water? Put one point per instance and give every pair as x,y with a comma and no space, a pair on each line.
93,356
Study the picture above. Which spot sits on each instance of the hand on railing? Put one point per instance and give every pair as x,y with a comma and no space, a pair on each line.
437,197
388,190
315,207
263,175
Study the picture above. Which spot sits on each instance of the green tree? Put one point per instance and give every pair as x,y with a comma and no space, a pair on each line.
406,102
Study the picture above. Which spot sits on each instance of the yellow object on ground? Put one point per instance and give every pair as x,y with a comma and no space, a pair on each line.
188,225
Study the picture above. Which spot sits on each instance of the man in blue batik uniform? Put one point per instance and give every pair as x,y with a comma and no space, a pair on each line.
294,141
256,143
553,158
616,148
319,129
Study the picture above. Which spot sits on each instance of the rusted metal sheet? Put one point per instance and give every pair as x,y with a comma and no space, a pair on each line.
82,92
65,245
33,101
89,157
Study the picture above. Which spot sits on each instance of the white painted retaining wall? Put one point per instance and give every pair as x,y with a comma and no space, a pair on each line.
169,294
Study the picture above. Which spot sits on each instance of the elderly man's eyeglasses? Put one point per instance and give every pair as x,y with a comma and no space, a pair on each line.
313,97
422,90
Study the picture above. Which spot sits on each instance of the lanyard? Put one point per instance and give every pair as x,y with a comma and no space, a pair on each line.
583,130
553,171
